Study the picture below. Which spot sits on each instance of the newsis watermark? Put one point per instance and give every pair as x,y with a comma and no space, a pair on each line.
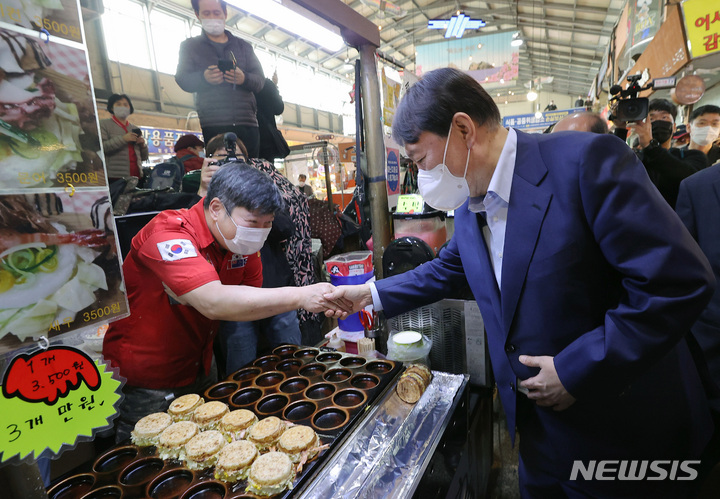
634,470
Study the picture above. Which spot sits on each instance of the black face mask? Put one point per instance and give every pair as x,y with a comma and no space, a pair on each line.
662,130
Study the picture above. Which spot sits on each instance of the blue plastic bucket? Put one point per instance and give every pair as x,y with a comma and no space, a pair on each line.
352,323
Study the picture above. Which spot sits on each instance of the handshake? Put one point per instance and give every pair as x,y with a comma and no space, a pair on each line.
335,302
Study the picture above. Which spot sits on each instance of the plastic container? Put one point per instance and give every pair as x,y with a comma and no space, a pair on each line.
409,346
348,269
336,343
430,227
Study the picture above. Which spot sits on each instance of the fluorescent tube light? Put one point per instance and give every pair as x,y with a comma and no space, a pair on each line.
287,19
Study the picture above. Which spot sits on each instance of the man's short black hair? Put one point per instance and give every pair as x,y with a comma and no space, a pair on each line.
707,109
116,97
239,184
663,105
196,6
302,176
430,104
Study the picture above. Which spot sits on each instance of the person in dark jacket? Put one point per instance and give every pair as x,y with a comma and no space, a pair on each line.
269,105
225,100
666,166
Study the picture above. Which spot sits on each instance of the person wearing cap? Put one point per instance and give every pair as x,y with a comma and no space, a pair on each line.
681,137
190,150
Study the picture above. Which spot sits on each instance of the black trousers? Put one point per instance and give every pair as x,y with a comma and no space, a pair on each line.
249,135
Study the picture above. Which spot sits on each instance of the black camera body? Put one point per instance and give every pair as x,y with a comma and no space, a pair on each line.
628,106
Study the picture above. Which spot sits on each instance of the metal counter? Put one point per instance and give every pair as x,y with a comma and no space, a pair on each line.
388,451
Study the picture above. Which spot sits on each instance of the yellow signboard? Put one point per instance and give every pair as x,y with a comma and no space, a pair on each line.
702,25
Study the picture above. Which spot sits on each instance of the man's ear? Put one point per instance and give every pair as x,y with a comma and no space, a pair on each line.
467,128
215,208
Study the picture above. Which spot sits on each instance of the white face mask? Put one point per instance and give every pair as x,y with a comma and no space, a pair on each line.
247,240
301,184
121,112
213,27
441,189
704,135
201,153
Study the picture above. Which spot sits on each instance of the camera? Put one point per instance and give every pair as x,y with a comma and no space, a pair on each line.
225,65
628,106
137,132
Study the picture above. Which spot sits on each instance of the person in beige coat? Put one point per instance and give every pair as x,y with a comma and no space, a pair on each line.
124,146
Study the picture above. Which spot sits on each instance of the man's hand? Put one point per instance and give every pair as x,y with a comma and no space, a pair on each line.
140,140
236,76
213,75
545,388
643,129
315,299
209,168
351,298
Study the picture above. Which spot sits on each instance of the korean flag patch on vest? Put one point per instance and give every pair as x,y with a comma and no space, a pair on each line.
176,249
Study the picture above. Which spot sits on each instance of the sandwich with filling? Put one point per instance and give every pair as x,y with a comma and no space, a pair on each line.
234,425
202,450
171,443
148,429
270,474
234,460
182,408
266,432
209,415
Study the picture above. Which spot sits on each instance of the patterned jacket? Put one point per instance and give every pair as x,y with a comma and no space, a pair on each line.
298,248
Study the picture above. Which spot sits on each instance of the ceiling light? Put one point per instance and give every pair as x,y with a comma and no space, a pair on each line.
532,95
480,45
516,39
285,18
470,58
502,81
538,114
379,27
505,102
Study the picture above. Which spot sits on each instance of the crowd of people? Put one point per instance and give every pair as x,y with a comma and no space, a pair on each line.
593,291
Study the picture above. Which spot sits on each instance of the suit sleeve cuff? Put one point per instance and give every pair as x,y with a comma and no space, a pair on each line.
377,304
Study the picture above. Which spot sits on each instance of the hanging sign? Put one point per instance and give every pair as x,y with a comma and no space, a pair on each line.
52,397
392,172
162,141
547,118
702,25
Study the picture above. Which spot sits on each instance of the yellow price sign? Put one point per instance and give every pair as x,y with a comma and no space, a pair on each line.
702,25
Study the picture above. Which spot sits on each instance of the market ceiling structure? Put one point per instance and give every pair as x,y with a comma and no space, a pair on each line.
565,39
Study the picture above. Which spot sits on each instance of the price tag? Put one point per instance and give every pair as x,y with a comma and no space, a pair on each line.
50,398
410,203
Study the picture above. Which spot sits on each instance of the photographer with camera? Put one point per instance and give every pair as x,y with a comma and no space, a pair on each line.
666,166
224,73
286,260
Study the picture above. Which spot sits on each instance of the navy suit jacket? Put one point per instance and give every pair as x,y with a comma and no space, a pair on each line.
698,205
599,272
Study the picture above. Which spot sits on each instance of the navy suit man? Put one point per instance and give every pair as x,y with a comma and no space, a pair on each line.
698,206
587,282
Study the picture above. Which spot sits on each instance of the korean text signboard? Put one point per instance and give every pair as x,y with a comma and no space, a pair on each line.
702,25
525,121
50,398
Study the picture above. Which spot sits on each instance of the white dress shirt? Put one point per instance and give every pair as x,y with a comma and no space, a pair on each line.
493,206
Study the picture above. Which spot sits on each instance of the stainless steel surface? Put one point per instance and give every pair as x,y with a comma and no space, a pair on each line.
388,451
375,153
